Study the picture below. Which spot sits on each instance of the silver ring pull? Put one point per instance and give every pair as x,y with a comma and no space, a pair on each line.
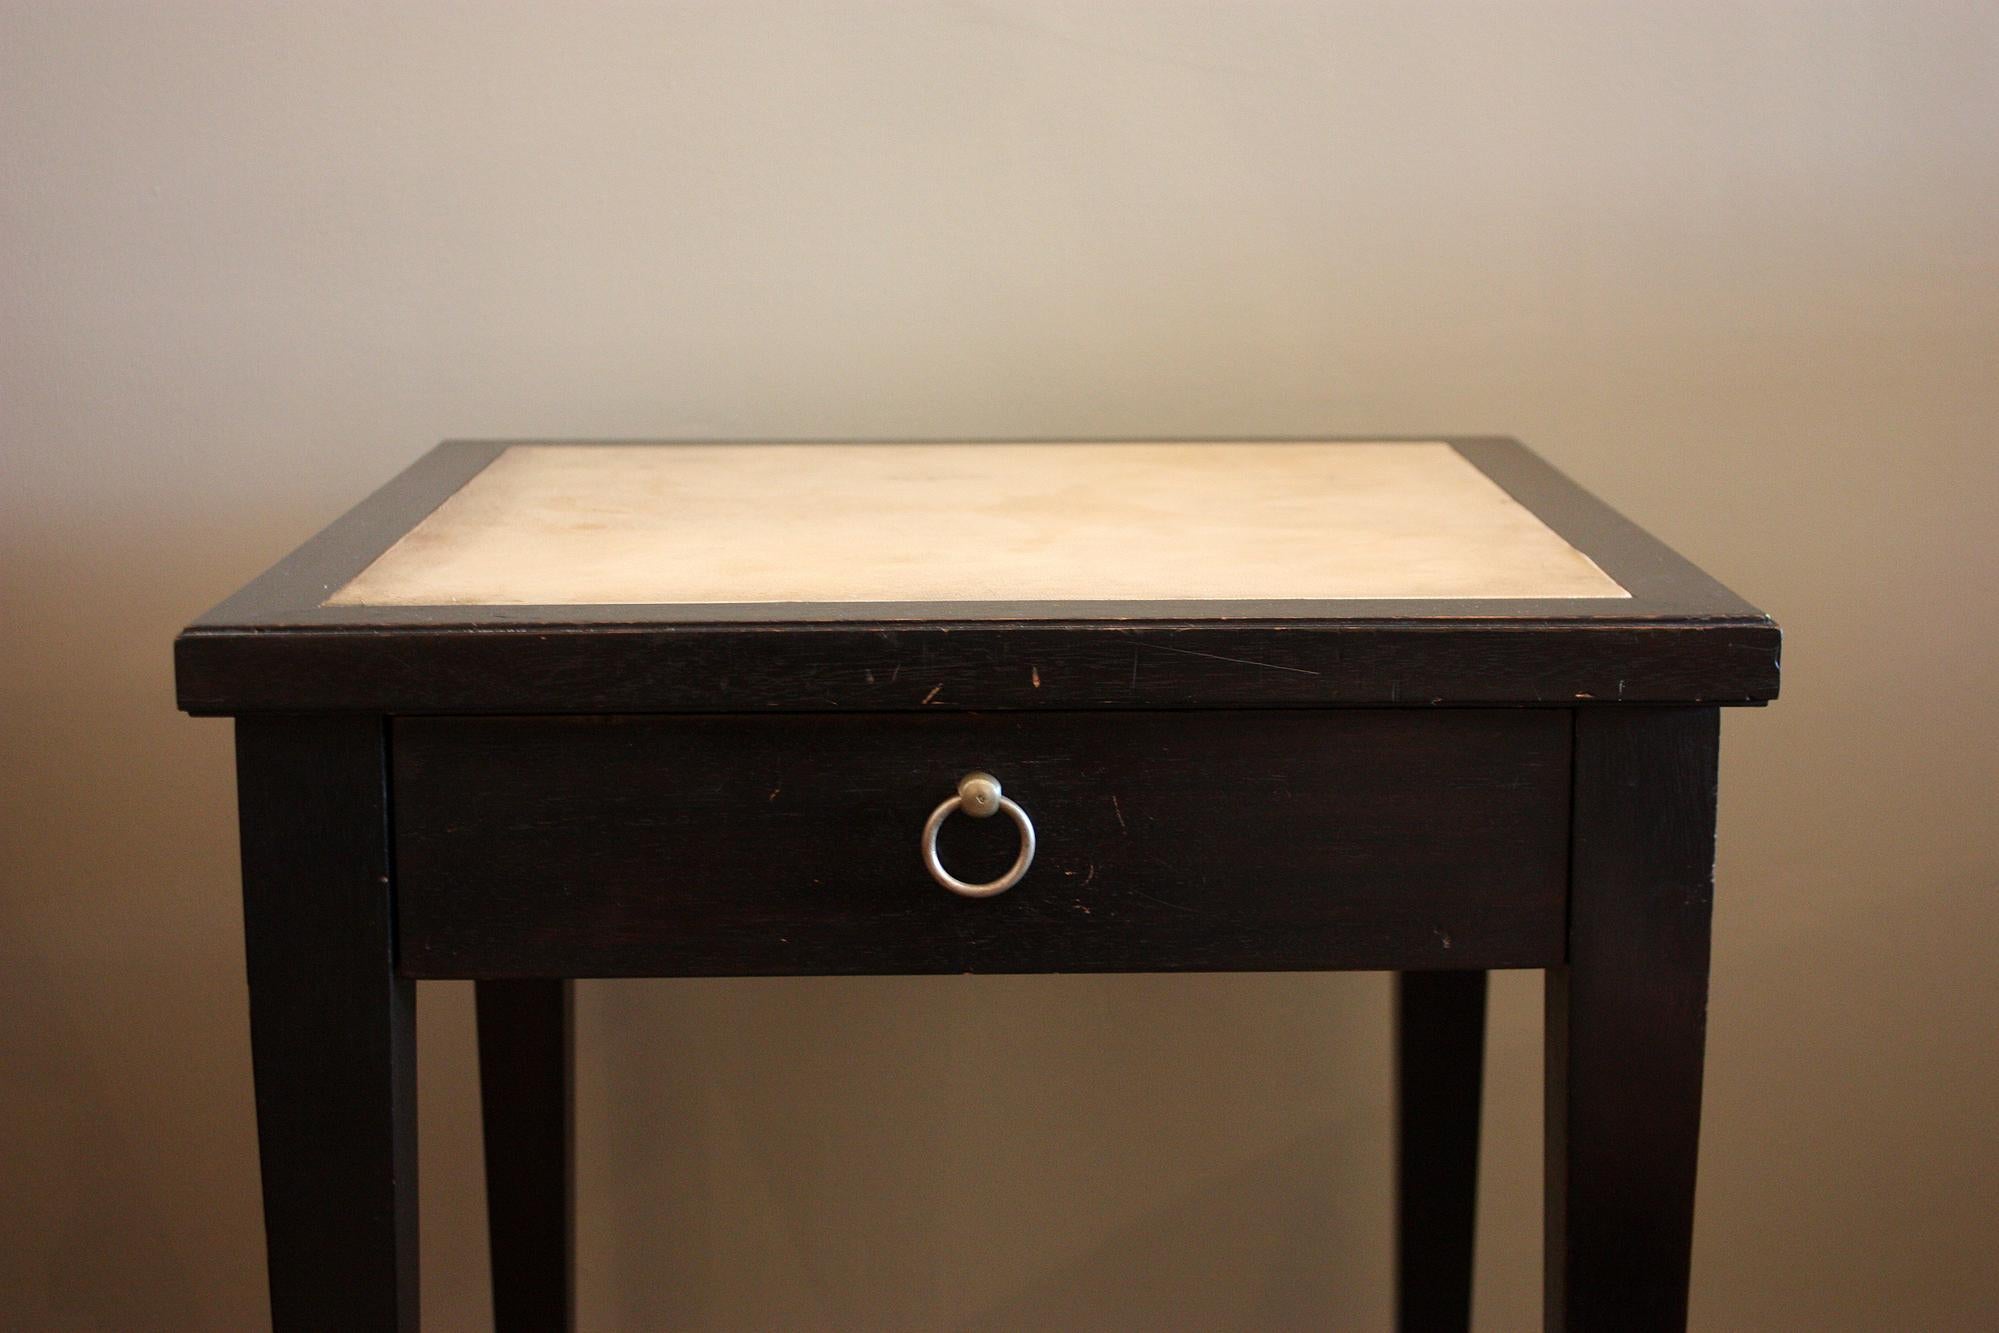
978,796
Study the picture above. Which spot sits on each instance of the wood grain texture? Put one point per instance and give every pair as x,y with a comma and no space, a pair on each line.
1198,841
527,1100
1626,1022
1439,1081
1679,637
331,1025
1027,667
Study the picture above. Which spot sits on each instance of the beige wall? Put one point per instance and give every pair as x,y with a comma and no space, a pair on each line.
1732,265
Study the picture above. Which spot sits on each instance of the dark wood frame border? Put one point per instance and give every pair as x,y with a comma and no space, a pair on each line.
276,647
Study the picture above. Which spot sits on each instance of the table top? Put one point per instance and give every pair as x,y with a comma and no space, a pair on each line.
827,530
705,576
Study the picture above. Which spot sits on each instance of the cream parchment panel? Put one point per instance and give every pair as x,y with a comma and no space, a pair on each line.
692,524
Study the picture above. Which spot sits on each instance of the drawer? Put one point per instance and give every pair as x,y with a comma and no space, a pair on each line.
1237,840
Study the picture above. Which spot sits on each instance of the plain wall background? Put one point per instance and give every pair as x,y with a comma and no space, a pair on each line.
1733,265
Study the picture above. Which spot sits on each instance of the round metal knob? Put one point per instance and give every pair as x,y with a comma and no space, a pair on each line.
978,796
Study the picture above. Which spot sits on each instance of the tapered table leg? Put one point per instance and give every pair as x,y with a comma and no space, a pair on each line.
1439,1069
526,1066
332,1029
1626,1021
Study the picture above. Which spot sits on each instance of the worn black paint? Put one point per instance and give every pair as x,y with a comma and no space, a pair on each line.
1626,1022
331,1025
1365,827
1169,841
1681,637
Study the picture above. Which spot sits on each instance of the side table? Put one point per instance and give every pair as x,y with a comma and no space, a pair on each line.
542,711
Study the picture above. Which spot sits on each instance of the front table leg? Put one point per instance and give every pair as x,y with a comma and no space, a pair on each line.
332,1029
1626,1020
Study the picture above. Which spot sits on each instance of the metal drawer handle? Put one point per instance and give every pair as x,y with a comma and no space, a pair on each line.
978,796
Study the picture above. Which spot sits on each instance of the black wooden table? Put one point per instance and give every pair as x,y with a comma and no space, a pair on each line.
539,712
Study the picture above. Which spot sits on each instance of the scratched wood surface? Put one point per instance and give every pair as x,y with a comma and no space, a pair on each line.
1168,841
1164,622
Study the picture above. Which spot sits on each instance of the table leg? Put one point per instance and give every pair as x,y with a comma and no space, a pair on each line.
1626,1021
332,1028
527,1092
1439,1069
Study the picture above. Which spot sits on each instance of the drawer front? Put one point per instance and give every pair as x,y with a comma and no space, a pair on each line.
719,846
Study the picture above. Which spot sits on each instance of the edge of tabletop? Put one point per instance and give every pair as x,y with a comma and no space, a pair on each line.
1705,644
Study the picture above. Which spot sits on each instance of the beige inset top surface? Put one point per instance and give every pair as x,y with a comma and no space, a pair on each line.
746,523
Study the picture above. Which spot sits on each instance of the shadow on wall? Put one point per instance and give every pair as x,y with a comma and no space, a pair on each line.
89,1171
130,1168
